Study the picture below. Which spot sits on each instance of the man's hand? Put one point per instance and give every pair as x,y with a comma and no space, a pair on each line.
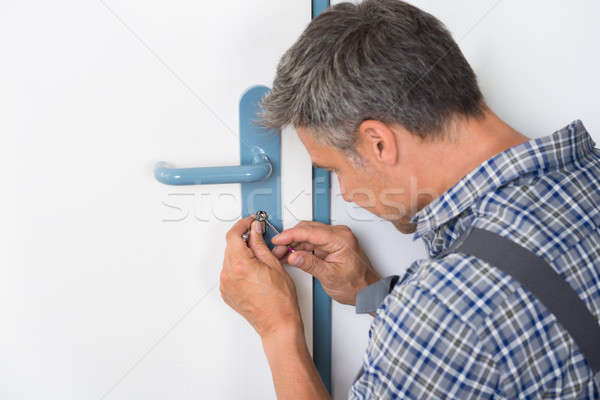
255,284
338,261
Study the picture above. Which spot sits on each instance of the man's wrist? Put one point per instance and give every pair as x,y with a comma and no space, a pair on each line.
285,333
285,339
371,277
294,372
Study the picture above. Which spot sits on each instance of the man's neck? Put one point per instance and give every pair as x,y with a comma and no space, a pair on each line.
467,144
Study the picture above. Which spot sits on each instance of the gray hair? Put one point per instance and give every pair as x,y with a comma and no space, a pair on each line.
381,59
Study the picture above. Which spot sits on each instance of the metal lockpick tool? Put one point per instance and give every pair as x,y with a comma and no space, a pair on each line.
263,217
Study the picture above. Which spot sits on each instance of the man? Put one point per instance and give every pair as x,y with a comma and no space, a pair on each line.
381,95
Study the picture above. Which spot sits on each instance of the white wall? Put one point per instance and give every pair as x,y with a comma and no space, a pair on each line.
537,63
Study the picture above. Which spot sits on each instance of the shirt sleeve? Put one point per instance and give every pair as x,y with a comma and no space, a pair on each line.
419,349
370,297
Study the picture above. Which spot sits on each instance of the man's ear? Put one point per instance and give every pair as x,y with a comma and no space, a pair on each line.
377,142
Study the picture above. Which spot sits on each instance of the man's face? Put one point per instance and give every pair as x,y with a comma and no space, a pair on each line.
386,192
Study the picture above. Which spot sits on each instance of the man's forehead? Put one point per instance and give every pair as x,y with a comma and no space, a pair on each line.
304,134
308,139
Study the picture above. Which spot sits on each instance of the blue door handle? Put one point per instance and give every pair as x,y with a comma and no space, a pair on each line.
258,169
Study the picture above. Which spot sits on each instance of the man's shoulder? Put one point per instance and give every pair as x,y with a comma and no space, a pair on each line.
460,284
459,304
548,212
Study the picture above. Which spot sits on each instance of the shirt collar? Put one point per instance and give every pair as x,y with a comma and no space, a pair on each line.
566,145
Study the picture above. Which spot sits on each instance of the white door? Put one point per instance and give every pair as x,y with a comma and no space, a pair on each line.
112,288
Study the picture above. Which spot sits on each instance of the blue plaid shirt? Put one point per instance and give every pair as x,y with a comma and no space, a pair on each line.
456,327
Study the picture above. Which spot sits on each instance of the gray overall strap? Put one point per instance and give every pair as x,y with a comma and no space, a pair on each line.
543,282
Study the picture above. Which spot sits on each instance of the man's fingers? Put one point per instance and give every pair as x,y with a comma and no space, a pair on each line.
301,246
316,250
283,252
242,225
307,262
234,235
317,235
258,245
236,247
280,251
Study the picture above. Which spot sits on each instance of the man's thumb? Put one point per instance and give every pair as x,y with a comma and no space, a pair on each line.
306,261
258,245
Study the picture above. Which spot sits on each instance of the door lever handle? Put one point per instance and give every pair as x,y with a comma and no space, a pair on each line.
258,169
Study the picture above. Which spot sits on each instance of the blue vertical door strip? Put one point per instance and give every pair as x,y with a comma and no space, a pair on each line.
321,301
